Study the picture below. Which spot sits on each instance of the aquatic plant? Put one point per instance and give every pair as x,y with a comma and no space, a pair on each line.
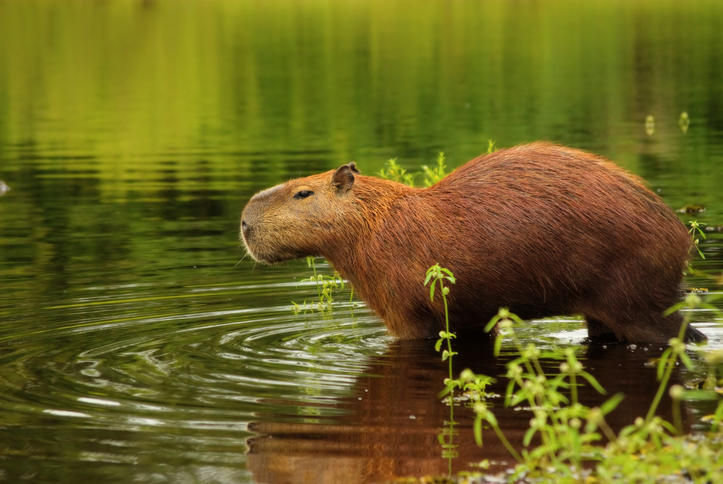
684,122
435,173
696,233
437,276
326,285
430,174
491,148
565,443
649,125
393,171
566,429
566,439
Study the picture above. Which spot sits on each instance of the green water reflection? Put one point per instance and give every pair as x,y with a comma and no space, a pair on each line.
137,342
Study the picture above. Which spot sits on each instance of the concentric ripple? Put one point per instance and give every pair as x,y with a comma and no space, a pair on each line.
123,381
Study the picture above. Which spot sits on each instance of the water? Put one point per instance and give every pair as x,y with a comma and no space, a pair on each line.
136,341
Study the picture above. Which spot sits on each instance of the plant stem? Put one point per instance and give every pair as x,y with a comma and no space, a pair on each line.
449,340
661,388
507,444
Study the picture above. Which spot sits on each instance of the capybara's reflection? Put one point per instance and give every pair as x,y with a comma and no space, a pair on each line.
390,425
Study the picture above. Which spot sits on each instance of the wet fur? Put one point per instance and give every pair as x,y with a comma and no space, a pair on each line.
539,228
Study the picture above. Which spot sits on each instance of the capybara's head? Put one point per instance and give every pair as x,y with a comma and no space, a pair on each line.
297,218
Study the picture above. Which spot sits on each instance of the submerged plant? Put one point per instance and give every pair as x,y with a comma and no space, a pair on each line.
325,287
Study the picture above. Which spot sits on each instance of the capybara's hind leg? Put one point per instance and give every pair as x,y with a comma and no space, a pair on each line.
599,332
691,335
652,326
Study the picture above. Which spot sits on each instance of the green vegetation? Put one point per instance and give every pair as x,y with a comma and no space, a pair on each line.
571,434
132,132
393,171
568,441
430,175
326,285
650,125
684,122
435,173
436,277
696,234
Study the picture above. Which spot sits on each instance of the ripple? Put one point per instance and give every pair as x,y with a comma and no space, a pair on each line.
109,361
129,369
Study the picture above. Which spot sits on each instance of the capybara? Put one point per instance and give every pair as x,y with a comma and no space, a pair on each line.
539,228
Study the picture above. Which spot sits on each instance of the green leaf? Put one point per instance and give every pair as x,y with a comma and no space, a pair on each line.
591,437
593,382
611,403
686,360
701,395
478,431
515,318
498,345
490,417
528,436
438,345
662,363
509,392
673,308
492,323
431,291
668,426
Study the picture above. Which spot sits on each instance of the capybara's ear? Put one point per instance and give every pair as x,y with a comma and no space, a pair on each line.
343,178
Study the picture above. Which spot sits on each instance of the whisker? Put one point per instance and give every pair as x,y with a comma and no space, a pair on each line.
245,256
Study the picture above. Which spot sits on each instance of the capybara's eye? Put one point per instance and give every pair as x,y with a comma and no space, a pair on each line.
303,194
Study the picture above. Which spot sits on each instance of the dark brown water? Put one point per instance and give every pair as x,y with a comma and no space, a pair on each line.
137,344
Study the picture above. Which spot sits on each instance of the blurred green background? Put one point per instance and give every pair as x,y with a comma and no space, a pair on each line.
132,133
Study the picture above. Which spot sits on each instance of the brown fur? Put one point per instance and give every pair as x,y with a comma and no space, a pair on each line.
539,228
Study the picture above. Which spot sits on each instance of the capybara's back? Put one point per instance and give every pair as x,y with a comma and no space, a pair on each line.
539,228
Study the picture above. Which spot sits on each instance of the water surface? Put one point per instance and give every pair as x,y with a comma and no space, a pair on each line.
137,343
